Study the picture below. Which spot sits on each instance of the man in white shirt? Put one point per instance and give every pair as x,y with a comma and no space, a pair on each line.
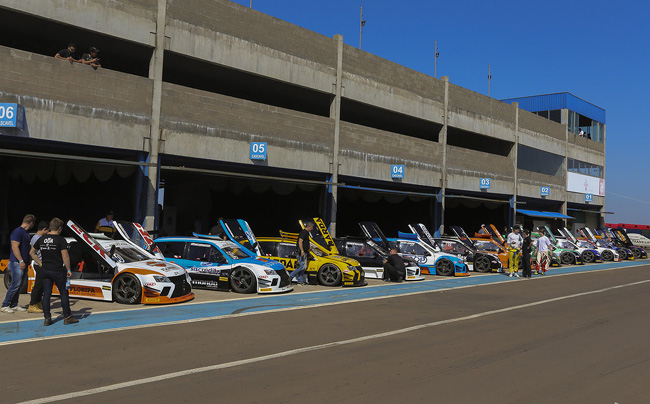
514,242
543,253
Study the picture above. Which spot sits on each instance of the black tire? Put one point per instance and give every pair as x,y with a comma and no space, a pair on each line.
588,256
607,255
482,264
23,287
623,254
127,289
242,280
567,258
637,253
444,267
329,275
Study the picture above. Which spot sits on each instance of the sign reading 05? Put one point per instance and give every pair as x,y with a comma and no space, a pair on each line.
397,171
258,151
485,183
544,191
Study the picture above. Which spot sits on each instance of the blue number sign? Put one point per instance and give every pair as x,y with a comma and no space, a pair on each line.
258,151
544,191
589,198
397,171
485,183
8,114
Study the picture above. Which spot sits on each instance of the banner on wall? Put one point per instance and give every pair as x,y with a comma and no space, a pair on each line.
585,184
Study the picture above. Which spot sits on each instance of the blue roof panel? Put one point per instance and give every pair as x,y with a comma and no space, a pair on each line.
549,102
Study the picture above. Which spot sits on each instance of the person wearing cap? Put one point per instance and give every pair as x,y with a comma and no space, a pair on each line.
68,54
105,224
91,58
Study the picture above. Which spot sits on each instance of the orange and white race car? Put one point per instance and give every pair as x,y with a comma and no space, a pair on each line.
107,269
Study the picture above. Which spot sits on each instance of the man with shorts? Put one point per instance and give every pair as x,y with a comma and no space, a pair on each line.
55,267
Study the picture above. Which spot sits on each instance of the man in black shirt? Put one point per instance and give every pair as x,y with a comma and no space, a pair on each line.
91,58
394,268
55,267
68,54
525,254
302,245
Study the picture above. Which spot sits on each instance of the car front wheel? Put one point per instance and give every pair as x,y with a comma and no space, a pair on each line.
329,275
444,267
588,256
482,264
607,255
127,289
242,280
567,258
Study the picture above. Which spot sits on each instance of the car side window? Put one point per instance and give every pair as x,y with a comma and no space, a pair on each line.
354,249
286,250
198,252
216,256
172,249
269,248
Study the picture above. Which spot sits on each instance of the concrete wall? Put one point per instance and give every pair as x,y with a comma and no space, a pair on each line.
369,153
75,103
465,167
200,124
529,183
133,20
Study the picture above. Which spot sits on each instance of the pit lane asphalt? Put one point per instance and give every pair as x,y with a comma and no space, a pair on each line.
580,338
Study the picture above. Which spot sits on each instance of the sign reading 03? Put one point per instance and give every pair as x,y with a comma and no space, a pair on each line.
485,183
397,171
258,151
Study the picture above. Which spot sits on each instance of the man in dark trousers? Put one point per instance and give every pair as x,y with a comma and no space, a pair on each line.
303,245
18,259
55,267
394,268
36,302
525,254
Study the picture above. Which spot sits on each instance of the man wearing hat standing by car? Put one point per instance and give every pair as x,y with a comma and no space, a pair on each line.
91,58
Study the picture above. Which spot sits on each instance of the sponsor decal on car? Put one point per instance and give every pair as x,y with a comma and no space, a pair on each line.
204,270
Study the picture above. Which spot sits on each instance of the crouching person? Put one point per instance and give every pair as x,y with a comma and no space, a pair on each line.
394,268
55,268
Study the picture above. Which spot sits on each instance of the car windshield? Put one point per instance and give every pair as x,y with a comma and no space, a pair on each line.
234,253
128,254
584,244
316,249
486,245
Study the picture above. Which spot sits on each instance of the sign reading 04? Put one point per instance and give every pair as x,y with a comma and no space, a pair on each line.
258,151
544,191
484,183
397,171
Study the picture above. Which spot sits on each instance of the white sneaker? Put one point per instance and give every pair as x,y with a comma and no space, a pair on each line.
7,309
19,308
510,274
517,274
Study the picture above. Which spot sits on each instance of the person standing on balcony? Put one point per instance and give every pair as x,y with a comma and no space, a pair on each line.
68,54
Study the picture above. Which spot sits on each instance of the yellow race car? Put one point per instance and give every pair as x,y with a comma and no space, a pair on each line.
323,268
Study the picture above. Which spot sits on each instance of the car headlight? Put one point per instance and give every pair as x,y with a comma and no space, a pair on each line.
352,268
160,278
270,272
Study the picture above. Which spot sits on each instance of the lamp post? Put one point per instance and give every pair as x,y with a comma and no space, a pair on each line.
362,23
435,63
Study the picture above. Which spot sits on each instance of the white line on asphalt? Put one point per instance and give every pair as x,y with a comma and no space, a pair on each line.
204,369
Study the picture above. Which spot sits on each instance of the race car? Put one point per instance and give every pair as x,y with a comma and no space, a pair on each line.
503,251
476,260
587,251
216,264
430,260
609,253
369,254
106,269
638,240
567,256
323,268
623,239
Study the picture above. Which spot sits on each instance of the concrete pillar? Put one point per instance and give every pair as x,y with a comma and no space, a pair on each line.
602,209
155,73
565,193
335,113
514,164
443,141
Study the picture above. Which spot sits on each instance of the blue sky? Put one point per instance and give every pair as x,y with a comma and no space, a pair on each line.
596,50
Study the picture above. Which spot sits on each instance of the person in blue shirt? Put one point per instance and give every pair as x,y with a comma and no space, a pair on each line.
18,256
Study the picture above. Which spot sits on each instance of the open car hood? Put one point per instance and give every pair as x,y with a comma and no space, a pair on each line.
136,235
373,233
586,233
494,233
463,237
240,232
566,233
90,245
423,233
320,235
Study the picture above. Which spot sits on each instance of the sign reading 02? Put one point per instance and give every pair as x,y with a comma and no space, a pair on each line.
484,183
544,191
589,198
258,151
397,171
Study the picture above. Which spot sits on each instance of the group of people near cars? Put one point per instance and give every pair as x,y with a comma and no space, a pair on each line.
520,248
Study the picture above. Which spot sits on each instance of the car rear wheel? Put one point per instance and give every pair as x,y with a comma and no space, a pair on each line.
127,289
242,280
607,255
444,267
588,256
329,275
567,258
623,254
482,264
637,253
